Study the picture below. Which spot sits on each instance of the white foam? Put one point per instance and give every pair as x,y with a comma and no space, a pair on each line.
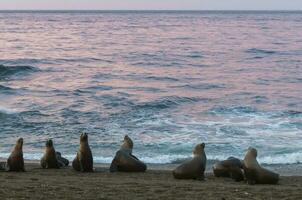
7,110
163,159
291,158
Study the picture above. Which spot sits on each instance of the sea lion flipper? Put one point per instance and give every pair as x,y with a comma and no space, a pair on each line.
62,162
201,177
76,164
113,165
236,174
43,163
9,164
134,156
81,166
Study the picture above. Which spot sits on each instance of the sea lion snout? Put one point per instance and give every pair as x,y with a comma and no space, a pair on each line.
49,143
252,151
127,143
84,137
199,149
20,141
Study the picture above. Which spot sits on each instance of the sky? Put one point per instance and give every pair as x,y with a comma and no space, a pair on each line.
151,4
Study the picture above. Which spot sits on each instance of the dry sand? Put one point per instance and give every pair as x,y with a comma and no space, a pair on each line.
37,183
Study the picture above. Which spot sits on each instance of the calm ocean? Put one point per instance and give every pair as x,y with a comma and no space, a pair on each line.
169,80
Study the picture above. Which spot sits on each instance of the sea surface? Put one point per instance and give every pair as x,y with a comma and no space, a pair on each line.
170,80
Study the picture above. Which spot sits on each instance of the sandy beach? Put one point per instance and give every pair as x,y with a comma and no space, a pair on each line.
37,183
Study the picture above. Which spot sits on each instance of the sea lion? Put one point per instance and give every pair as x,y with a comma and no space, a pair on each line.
231,167
63,162
49,159
83,161
254,173
124,161
15,161
194,168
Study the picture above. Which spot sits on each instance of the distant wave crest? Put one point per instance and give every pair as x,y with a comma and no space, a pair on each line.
167,102
233,110
14,69
8,111
260,51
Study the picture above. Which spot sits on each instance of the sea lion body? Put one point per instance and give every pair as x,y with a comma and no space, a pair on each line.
49,159
254,173
193,169
63,162
231,167
83,161
124,161
15,161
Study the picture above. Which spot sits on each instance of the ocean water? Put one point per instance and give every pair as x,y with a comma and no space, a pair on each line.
169,80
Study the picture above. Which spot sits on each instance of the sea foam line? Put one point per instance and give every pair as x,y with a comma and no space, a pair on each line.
8,111
290,158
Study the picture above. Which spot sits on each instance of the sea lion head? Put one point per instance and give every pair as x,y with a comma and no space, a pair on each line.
84,137
127,143
252,151
20,142
49,143
199,149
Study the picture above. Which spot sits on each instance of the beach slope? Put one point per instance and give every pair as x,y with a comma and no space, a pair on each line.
37,183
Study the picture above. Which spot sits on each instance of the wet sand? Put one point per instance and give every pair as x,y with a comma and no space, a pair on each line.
37,183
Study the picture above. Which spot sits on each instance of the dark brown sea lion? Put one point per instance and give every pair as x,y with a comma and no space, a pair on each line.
83,161
194,168
254,173
15,161
124,161
49,159
231,167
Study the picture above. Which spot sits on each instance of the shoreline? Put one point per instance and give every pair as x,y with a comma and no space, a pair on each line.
65,183
282,169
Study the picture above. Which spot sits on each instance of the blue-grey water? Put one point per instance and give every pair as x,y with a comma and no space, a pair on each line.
169,80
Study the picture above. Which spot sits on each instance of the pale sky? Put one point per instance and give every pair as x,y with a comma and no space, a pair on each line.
152,4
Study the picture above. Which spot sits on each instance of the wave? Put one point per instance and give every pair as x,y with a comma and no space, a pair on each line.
6,70
290,158
4,88
233,110
167,102
288,113
203,86
24,61
260,51
162,78
7,111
